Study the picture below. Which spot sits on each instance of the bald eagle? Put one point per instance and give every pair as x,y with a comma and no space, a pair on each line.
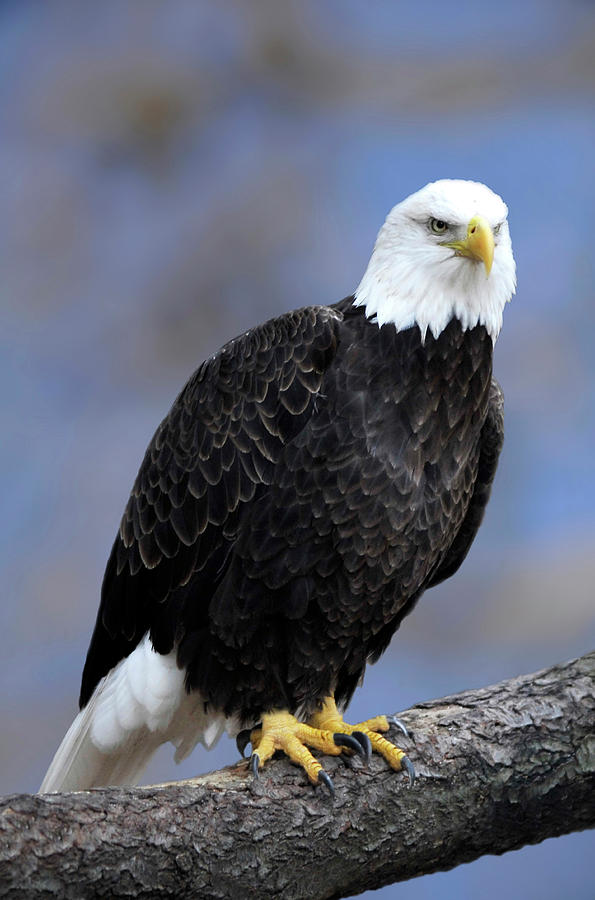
312,479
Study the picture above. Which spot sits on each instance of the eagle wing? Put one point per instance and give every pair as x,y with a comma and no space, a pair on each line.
214,451
492,437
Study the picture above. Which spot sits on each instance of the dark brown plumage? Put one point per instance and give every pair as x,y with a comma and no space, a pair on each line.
312,479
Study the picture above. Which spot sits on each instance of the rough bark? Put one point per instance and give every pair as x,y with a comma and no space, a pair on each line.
497,768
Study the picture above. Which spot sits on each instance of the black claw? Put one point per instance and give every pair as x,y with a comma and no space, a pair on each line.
242,741
254,762
353,742
365,744
325,779
407,765
392,720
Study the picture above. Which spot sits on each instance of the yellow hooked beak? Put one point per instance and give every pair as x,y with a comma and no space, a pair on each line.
479,243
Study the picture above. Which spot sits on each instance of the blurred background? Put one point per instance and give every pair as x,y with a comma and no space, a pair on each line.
175,172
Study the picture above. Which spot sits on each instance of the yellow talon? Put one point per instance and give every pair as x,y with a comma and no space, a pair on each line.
392,754
378,723
327,732
282,731
330,719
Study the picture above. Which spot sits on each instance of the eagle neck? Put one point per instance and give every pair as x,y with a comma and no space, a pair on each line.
436,388
413,353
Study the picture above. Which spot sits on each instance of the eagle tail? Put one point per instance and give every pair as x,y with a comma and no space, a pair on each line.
79,764
139,705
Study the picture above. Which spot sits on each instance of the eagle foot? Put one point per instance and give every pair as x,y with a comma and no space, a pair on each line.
325,731
328,718
282,731
356,741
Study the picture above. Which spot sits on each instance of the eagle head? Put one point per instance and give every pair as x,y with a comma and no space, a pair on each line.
442,253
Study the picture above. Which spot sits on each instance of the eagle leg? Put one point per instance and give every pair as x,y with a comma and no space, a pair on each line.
329,719
282,731
325,731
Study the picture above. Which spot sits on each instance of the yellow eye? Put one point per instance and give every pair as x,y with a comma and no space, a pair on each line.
438,226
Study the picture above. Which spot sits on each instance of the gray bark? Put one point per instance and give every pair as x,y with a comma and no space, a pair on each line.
497,768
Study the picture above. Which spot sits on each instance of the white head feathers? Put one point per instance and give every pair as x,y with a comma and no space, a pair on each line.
412,278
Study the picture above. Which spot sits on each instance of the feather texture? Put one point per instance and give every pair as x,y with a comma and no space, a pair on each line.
137,706
310,481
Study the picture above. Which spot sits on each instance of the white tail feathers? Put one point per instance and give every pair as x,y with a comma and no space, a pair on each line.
79,764
139,705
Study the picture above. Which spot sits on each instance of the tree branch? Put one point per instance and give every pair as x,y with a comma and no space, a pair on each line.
497,768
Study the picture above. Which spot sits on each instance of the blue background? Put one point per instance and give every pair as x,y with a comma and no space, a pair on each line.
173,173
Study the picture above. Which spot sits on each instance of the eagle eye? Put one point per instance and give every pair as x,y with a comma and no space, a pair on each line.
438,226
